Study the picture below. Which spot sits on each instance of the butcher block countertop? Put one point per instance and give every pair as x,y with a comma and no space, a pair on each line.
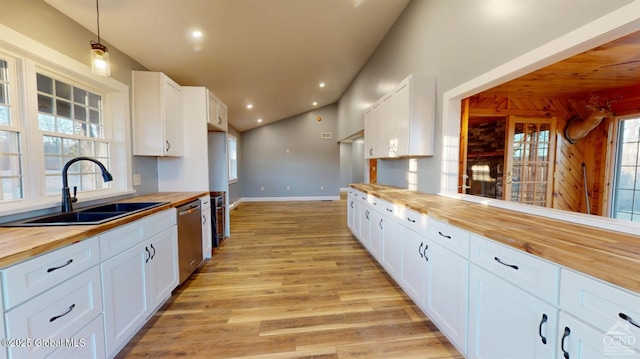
20,243
608,255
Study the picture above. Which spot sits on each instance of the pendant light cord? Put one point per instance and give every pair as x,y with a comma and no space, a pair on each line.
98,19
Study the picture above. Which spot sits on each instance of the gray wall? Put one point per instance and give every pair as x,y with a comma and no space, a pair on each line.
45,24
311,162
455,40
351,162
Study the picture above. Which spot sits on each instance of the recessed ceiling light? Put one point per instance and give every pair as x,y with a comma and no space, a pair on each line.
249,106
322,84
259,120
315,104
196,34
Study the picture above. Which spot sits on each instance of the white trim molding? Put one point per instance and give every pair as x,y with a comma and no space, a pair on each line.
600,31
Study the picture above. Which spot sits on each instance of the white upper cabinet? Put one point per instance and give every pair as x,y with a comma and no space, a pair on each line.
401,123
157,115
217,119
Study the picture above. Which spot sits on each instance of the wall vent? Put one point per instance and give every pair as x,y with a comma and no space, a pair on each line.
325,135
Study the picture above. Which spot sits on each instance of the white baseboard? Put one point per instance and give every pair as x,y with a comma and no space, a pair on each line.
284,199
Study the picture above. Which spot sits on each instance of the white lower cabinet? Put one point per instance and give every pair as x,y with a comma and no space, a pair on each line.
507,322
364,224
446,293
87,343
493,301
390,251
609,318
135,283
55,315
205,209
580,341
413,263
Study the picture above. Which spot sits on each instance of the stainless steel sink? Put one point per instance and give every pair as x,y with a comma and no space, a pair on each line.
93,215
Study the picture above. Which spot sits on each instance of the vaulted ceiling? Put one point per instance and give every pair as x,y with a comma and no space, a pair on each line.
272,54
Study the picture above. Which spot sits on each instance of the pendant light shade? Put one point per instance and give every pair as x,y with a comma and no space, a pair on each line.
99,53
100,59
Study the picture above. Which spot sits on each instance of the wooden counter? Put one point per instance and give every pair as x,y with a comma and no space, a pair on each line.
20,243
608,255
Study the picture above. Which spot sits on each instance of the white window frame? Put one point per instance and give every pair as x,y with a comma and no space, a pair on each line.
615,159
31,57
232,147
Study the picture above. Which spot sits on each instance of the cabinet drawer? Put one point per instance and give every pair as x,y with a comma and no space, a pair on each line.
205,202
32,277
56,314
413,220
521,269
87,343
450,237
602,305
385,208
124,237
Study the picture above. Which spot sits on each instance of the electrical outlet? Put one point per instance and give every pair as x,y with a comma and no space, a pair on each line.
137,179
288,150
288,188
262,188
322,188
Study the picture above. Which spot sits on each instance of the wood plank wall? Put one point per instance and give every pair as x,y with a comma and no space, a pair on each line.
568,191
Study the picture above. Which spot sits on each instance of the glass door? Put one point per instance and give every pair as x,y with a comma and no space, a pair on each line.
529,160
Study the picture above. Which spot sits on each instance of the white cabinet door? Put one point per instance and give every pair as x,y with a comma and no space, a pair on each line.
402,100
172,103
124,284
364,228
157,115
413,263
217,119
370,134
205,209
377,233
507,322
580,341
446,293
391,251
386,126
163,262
351,213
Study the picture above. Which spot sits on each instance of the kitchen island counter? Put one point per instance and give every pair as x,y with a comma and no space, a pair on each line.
605,254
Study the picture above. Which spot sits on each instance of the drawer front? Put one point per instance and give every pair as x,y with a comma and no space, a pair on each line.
32,277
413,220
450,237
124,237
385,208
56,314
602,305
205,202
521,269
87,343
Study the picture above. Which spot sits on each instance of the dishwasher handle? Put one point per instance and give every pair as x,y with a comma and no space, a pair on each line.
188,210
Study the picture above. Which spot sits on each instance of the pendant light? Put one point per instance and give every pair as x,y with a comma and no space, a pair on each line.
99,53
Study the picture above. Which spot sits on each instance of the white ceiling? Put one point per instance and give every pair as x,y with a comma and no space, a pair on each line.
270,53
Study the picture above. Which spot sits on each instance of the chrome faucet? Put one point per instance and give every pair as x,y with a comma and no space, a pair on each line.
67,200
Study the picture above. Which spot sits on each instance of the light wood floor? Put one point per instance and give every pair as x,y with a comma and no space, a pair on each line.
290,282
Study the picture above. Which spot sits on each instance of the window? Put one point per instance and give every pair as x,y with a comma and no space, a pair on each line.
70,119
11,180
53,109
233,158
626,192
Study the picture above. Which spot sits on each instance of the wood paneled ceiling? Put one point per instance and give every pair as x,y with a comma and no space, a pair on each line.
602,70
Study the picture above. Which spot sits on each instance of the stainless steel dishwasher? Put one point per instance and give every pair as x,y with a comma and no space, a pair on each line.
189,238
